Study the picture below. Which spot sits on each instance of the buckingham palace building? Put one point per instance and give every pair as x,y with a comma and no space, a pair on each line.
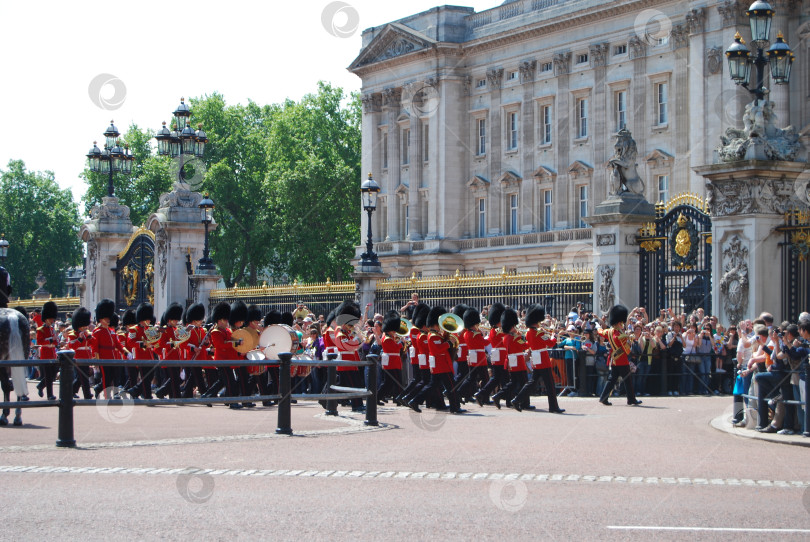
489,132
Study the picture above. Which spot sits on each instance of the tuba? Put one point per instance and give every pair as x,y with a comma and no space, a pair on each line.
451,324
405,326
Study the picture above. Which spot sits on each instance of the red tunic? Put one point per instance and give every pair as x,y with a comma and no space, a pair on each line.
515,346
476,347
439,358
169,351
414,350
46,338
540,342
329,342
462,347
391,349
619,346
348,346
106,344
223,350
498,351
422,350
193,348
81,344
136,339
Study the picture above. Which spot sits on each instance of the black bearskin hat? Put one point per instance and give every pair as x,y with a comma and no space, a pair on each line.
49,310
495,312
238,312
420,315
193,313
509,319
471,318
618,313
254,314
163,319
114,320
272,318
174,312
81,318
105,309
534,314
347,312
129,318
145,311
434,314
222,311
391,322
287,319
460,309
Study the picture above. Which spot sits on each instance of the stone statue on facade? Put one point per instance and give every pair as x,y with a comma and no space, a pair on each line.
624,176
760,138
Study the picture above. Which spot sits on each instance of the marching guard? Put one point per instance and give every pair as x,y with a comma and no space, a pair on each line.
540,341
620,365
47,342
81,342
143,350
106,344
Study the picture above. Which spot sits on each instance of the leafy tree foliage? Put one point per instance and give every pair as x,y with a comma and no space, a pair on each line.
41,223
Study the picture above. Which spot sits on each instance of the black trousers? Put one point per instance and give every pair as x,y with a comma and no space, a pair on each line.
5,385
439,382
391,384
462,379
195,380
352,379
517,380
416,379
532,387
82,380
48,373
616,372
499,378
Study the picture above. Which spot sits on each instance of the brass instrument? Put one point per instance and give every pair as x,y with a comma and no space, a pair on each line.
484,327
451,324
152,336
181,335
405,326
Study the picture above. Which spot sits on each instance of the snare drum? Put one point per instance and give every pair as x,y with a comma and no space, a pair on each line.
256,355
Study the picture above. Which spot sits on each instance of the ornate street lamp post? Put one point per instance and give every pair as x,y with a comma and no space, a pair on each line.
369,191
181,140
206,264
112,159
779,55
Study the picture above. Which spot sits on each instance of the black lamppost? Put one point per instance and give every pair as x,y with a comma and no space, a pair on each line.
369,191
3,249
779,55
206,264
112,159
182,140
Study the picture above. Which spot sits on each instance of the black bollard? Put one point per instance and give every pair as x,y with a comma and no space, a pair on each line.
371,402
331,379
65,435
284,404
806,432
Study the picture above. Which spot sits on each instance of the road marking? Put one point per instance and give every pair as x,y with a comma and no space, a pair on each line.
422,475
709,529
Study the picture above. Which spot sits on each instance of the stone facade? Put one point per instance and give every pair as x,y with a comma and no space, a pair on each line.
489,132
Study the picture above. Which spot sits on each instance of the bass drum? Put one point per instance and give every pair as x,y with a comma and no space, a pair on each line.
276,339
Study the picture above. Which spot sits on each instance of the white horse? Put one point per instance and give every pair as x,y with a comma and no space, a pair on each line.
14,345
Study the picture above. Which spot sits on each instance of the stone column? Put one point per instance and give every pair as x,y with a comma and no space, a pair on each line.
562,66
679,108
106,234
391,102
179,236
494,203
366,287
747,200
615,223
527,145
697,78
371,152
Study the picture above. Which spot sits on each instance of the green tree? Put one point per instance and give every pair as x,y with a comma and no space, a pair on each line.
236,163
41,223
140,190
314,181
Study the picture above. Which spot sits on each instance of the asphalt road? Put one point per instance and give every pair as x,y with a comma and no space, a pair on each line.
659,471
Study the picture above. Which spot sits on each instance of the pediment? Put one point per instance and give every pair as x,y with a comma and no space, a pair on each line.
658,158
509,178
478,183
544,173
394,40
579,169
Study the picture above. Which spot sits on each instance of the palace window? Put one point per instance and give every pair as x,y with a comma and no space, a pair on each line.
513,75
621,110
663,188
582,59
546,67
582,118
512,136
385,150
481,83
620,50
662,98
482,217
583,206
406,146
545,135
513,214
406,229
482,137
547,210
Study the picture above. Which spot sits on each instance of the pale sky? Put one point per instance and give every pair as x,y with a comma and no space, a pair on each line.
52,52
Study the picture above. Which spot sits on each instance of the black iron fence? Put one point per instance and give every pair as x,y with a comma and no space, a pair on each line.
795,265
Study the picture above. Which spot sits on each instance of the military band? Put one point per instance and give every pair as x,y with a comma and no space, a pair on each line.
447,354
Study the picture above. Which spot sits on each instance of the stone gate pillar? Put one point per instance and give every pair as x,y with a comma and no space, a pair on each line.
106,234
366,288
179,242
615,223
748,200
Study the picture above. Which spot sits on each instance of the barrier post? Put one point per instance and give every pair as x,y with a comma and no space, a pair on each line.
284,404
65,432
371,384
331,379
806,431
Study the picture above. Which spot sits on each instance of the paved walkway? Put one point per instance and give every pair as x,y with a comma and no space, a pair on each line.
657,471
